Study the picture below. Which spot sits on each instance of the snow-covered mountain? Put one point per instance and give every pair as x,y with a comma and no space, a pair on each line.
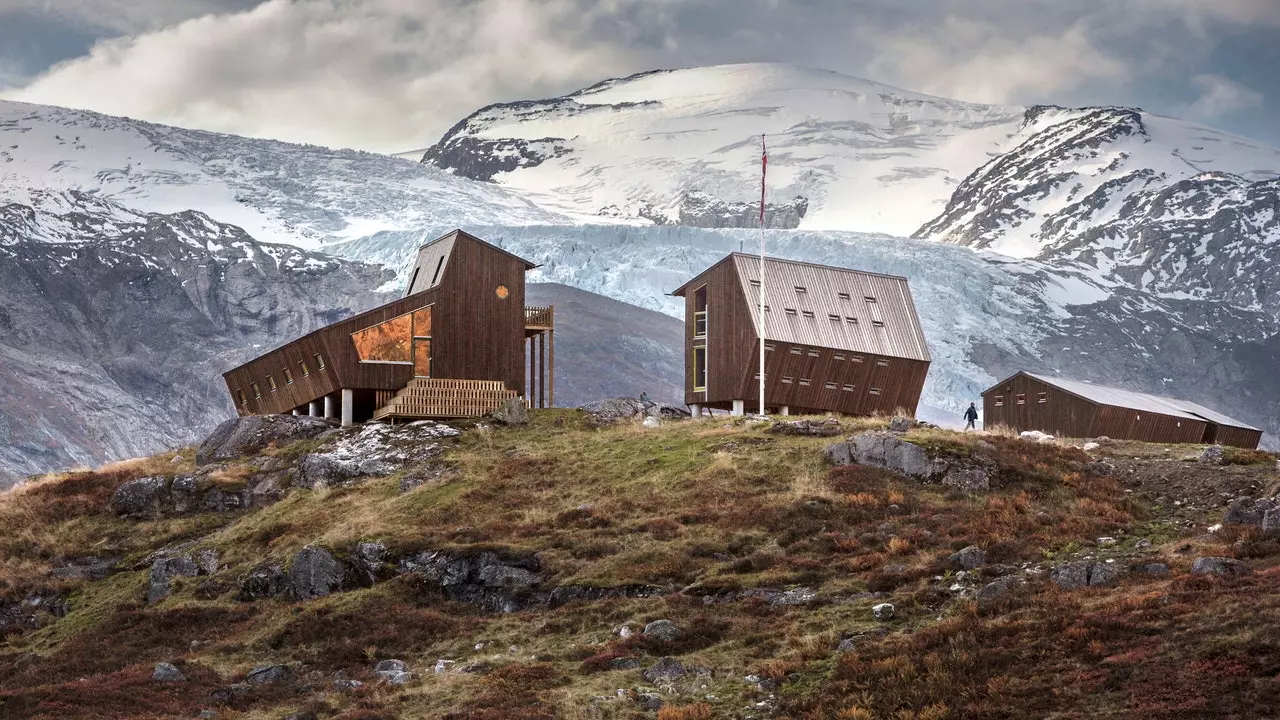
1142,201
278,192
683,147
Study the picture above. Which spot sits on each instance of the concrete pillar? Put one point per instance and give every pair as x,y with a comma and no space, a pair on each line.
296,412
739,408
696,410
348,408
330,412
313,409
786,409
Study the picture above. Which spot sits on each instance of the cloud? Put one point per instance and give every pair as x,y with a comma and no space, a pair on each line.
1220,96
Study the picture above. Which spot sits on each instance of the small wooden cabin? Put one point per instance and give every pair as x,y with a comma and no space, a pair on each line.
453,346
836,340
1071,408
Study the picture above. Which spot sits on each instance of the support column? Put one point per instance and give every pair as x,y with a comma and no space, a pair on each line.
786,409
330,412
313,408
533,375
695,410
542,370
348,407
551,379
739,408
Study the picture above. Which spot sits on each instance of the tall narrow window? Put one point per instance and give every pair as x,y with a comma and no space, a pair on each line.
700,369
257,394
244,401
700,312
412,280
319,362
271,383
288,376
306,371
436,275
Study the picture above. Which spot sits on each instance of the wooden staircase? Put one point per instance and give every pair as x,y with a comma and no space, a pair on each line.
438,398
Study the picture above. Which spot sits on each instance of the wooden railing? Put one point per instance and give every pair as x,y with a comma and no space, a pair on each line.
540,317
442,398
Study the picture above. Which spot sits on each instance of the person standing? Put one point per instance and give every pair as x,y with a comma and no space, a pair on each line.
971,417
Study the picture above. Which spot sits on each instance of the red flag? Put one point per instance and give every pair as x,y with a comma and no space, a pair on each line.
764,170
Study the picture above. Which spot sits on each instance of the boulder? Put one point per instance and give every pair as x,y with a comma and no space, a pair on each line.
375,450
393,672
269,674
369,563
652,422
262,582
886,450
969,558
662,631
998,588
616,410
1105,573
899,424
1154,569
649,701
481,579
1225,567
1248,511
883,611
314,573
142,498
511,412
666,669
1100,468
1271,521
1214,455
968,479
807,428
1037,436
166,672
1072,575
164,569
1091,446
86,568
244,436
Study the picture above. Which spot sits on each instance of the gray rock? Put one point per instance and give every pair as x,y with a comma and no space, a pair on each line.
244,436
998,588
505,576
616,410
663,631
264,581
666,669
391,666
480,579
899,424
625,663
86,568
806,428
269,674
369,563
1100,468
1271,521
1214,455
208,715
649,701
1226,567
374,450
315,572
1102,574
1072,575
890,451
163,570
397,679
970,558
146,497
511,412
165,672
969,479
883,611
1248,511
1154,569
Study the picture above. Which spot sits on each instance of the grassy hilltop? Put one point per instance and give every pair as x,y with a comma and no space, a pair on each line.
513,570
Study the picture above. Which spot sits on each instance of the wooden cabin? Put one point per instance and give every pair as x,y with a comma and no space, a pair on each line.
1071,408
458,344
836,340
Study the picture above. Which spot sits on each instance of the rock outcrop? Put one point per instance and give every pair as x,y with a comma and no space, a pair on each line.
159,496
616,410
891,451
242,436
314,573
483,579
374,450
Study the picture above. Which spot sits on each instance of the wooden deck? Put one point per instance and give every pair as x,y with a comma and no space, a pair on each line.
539,319
432,398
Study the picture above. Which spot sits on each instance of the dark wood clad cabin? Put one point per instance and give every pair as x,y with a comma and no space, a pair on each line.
454,346
1071,408
837,340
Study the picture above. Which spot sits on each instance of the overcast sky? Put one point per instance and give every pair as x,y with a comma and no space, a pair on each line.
391,75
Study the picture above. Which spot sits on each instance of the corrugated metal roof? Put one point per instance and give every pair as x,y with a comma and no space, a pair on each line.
1140,401
834,307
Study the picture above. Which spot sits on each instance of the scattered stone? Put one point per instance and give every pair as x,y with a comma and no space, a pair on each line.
1142,545
1106,541
263,581
86,568
649,701
142,498
851,642
1037,436
511,412
166,672
883,611
1091,446
668,668
969,558
1214,455
616,410
481,579
652,422
244,436
431,473
1072,575
1271,521
208,715
315,572
1226,567
268,674
165,569
391,666
662,631
969,479
1248,511
899,424
1154,569
1044,518
1105,573
822,428
1100,468
376,449
625,663
369,563
890,451
998,588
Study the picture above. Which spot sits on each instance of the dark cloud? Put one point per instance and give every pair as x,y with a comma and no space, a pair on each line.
394,74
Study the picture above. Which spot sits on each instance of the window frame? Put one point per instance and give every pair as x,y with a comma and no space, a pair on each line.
271,383
702,370
288,376
320,366
306,371
257,391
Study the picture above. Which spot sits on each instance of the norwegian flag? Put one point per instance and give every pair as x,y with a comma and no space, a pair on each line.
764,170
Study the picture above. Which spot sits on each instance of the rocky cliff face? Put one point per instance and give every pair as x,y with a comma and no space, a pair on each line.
113,341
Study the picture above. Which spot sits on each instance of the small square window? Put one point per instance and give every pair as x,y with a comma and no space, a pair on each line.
999,401
833,317
797,351
271,383
874,391
770,347
754,283
809,314
801,289
845,296
882,363
831,386
1043,398
870,298
804,382
243,400
791,311
878,323
856,358
288,376
319,362
839,357
814,353
851,320
1022,399
788,380
848,388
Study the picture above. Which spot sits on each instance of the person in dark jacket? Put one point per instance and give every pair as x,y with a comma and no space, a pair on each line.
971,417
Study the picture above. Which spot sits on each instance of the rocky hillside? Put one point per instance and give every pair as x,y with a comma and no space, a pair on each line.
585,566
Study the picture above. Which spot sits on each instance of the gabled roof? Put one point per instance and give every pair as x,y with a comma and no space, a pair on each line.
810,304
463,233
1131,400
434,257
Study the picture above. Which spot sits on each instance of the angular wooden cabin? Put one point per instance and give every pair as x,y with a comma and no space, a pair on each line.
453,346
836,340
1071,408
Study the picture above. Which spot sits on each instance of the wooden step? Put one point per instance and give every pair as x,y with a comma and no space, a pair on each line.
446,398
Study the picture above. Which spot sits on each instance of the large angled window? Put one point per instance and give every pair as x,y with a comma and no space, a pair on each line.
392,341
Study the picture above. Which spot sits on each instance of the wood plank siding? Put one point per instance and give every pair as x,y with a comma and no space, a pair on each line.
838,340
1069,408
477,333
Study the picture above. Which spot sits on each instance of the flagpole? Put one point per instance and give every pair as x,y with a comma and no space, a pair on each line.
764,169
